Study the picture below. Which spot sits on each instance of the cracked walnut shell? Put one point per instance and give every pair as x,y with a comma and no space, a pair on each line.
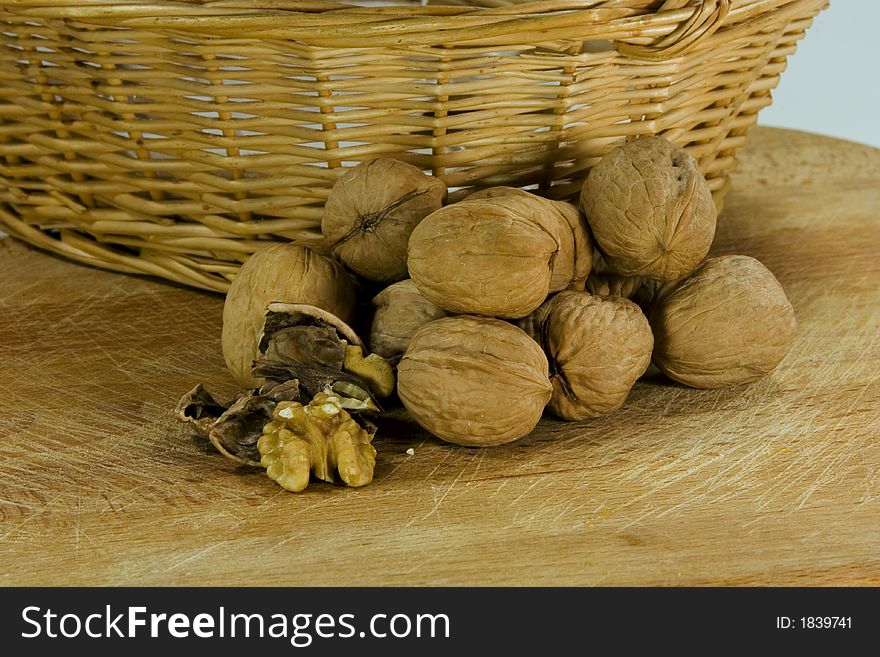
318,438
303,352
474,381
650,209
726,324
498,256
279,273
320,352
597,347
371,211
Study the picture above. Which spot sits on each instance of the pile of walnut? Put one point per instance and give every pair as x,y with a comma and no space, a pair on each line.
499,306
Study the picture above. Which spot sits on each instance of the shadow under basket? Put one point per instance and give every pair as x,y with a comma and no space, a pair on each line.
175,138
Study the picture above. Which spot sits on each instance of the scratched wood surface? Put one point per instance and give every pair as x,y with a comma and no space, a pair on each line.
775,483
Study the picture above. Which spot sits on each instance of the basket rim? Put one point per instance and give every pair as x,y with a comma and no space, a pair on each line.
648,29
139,234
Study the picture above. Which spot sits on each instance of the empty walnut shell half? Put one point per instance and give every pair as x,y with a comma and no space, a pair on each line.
597,347
727,323
371,211
474,381
283,273
650,209
498,257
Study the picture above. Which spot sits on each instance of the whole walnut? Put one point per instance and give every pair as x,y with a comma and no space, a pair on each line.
608,284
496,192
727,323
400,311
639,289
474,381
597,346
371,211
650,209
583,242
279,273
499,256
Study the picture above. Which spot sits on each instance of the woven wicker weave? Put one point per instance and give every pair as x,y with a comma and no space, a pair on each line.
174,138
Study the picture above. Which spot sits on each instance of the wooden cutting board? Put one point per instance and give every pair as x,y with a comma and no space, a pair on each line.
774,483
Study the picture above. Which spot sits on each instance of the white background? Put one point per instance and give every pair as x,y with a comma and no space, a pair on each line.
832,84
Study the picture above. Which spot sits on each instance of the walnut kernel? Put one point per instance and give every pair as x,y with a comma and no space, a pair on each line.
319,438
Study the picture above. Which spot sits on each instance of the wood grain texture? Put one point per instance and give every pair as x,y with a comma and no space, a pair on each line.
774,483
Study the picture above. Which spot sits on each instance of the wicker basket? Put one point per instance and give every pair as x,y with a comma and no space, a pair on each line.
173,138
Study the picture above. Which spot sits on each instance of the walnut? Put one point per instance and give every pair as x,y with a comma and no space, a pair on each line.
474,381
371,211
597,347
650,209
583,242
613,285
400,311
727,323
319,438
496,192
639,289
283,273
375,370
304,352
498,256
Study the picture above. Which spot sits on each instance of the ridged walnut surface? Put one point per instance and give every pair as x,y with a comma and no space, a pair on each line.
172,138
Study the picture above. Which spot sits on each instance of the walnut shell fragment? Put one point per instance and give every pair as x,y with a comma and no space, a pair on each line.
597,347
726,324
499,256
234,427
400,311
282,273
650,209
319,438
371,211
474,381
199,408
